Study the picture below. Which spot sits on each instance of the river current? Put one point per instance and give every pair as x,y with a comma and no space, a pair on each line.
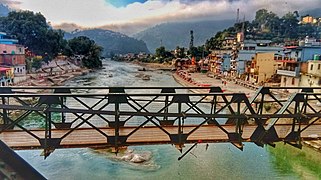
219,161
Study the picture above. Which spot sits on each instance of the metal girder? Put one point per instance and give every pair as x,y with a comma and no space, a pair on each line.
162,110
21,168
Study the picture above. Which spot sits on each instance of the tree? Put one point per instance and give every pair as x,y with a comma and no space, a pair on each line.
82,45
216,42
32,30
180,52
266,21
193,51
290,25
36,63
160,52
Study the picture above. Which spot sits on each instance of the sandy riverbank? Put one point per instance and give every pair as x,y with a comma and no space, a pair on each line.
202,80
52,79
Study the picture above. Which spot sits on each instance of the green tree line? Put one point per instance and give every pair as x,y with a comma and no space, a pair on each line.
32,30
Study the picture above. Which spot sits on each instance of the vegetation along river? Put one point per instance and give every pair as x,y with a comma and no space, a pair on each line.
219,161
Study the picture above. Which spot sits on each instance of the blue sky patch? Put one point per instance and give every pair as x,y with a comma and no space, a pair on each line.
123,3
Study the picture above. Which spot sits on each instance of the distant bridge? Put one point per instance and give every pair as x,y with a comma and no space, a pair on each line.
99,117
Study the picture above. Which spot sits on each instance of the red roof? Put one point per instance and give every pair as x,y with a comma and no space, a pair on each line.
4,69
290,47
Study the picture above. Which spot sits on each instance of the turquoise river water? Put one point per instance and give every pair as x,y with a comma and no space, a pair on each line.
219,161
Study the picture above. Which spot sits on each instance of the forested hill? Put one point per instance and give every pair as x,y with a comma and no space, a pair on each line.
171,35
112,42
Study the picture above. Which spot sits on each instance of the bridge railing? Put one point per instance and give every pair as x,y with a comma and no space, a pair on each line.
118,108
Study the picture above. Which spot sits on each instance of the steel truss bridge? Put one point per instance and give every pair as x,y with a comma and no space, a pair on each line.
69,117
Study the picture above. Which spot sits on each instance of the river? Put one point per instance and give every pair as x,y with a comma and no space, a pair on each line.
219,161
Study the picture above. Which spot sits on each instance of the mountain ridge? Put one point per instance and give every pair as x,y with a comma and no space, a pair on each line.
171,34
112,42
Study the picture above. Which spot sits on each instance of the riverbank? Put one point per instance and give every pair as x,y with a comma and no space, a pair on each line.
203,80
55,73
54,79
155,66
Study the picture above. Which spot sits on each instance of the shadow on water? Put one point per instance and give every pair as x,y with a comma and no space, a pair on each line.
305,163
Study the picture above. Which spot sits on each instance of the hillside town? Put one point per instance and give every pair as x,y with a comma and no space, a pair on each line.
249,61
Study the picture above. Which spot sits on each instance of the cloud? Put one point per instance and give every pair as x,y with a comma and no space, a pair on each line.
10,3
135,15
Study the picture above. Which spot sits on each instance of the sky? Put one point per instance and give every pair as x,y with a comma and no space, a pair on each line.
131,16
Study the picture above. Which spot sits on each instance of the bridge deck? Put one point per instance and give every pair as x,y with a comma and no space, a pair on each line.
88,137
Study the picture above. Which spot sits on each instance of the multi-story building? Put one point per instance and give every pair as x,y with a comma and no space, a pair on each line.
312,78
215,63
13,55
263,67
247,51
226,65
219,63
298,64
288,69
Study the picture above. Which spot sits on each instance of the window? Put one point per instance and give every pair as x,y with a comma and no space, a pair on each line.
311,67
319,65
293,81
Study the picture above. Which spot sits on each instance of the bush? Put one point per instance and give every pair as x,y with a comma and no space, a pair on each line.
267,106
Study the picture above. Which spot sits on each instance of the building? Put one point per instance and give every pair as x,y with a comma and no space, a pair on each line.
228,43
219,63
4,39
299,64
215,63
263,67
248,50
13,55
309,20
288,68
6,76
225,68
312,78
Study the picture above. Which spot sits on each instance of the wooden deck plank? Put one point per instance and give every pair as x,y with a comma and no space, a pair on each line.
86,137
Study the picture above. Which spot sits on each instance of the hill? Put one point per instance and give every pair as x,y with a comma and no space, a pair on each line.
112,42
171,35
